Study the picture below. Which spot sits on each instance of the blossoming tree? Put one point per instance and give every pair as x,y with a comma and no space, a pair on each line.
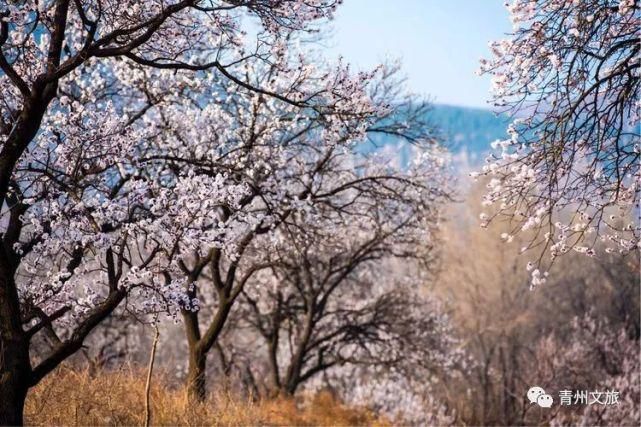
83,227
288,168
344,285
264,154
570,171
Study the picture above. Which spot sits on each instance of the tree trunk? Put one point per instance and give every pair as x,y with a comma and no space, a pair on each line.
198,350
292,378
15,368
14,378
13,391
290,387
272,347
196,379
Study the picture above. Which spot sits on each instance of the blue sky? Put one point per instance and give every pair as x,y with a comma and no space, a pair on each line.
439,42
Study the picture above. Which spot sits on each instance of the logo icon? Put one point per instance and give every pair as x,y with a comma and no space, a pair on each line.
537,395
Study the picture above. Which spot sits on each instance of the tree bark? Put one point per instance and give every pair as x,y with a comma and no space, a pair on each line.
14,392
15,367
14,381
196,380
272,347
198,350
292,378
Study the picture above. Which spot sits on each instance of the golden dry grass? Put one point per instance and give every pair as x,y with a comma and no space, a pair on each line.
69,397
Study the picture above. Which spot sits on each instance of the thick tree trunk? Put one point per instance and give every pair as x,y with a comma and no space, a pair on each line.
196,379
199,347
13,391
15,368
15,372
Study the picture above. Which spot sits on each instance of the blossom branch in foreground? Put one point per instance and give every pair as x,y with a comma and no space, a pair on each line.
569,174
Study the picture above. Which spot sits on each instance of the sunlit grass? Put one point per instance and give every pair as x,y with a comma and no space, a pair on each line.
70,397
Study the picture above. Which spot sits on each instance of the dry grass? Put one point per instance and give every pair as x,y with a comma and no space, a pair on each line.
69,397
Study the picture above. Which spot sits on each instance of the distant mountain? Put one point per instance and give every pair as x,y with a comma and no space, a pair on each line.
468,130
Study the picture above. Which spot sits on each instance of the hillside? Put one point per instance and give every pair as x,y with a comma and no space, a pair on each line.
468,130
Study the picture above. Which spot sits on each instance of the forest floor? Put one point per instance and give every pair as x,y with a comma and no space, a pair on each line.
117,398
